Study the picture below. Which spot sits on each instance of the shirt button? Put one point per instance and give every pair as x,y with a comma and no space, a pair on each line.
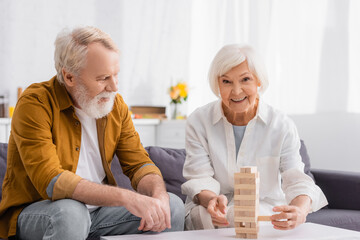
77,148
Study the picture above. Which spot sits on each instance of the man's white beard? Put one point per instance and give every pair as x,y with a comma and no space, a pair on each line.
91,106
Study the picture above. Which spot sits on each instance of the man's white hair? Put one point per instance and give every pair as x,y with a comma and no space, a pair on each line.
71,48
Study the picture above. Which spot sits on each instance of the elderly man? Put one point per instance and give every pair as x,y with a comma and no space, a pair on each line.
65,132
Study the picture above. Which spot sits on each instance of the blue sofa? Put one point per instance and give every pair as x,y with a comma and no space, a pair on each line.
342,189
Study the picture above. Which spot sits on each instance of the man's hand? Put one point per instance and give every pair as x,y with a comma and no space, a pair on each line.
150,210
153,185
165,206
151,204
217,208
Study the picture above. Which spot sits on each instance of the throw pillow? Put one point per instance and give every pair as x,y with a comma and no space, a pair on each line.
3,160
306,159
170,161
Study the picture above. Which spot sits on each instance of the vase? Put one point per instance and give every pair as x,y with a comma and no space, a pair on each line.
178,111
174,110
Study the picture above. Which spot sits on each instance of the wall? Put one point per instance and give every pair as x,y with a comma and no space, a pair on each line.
332,139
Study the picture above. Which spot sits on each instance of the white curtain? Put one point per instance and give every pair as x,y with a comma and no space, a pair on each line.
311,48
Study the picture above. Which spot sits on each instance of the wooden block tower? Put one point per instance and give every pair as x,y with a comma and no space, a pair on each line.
246,202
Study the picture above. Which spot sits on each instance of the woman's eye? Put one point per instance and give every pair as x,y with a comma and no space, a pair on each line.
225,81
246,79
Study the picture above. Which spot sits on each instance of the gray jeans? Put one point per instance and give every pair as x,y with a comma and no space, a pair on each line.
70,219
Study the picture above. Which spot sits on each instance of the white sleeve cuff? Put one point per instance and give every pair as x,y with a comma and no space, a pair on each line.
195,186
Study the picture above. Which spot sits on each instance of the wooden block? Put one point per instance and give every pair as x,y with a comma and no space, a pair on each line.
251,236
244,208
264,218
254,225
246,230
244,214
246,202
245,186
247,191
252,169
246,197
241,235
245,219
246,175
246,181
243,170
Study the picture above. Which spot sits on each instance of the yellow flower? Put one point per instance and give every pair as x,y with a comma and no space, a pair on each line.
183,89
179,92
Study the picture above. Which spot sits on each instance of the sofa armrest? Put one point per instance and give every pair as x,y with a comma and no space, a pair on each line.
342,189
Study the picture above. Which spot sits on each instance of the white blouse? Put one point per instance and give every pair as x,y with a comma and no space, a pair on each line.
270,142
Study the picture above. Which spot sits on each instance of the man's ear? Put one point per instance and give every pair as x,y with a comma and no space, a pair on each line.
68,78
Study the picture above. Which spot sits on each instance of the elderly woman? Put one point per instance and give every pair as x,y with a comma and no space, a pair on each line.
240,129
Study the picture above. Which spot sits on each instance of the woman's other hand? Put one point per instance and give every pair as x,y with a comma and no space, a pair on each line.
217,208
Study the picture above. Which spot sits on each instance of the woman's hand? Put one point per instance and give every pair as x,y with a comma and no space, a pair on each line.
217,208
288,218
293,215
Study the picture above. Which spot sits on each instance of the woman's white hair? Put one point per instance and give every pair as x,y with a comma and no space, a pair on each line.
231,56
71,48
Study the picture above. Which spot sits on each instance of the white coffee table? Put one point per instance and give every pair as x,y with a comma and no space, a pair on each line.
305,231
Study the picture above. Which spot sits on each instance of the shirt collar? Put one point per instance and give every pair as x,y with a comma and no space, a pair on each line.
62,95
262,112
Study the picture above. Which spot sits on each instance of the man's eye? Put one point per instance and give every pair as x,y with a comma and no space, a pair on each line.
104,78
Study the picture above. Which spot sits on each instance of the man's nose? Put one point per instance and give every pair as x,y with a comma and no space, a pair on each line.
113,84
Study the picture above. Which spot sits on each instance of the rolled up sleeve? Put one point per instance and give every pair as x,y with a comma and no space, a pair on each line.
65,185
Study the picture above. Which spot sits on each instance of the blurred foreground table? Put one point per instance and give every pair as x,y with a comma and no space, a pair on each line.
305,231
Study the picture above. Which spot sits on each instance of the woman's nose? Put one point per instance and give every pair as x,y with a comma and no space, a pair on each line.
237,89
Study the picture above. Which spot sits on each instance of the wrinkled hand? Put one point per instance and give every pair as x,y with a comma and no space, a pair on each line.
288,218
217,208
162,225
154,213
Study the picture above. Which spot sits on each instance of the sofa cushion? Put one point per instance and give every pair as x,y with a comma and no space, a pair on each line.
341,218
121,179
3,160
170,161
306,159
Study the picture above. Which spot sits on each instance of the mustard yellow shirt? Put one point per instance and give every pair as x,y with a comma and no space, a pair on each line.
45,141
